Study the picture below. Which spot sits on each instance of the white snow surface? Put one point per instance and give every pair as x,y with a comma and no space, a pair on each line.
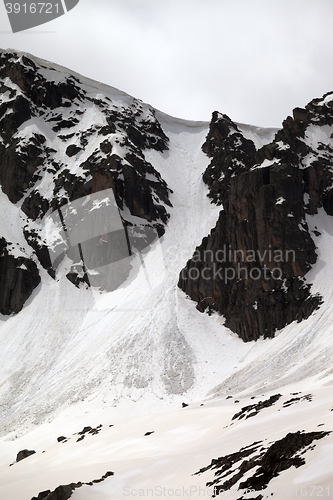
68,360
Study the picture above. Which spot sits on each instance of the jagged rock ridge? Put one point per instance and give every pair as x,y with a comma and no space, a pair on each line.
251,268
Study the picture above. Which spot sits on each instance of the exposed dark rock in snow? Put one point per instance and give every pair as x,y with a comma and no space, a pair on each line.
72,150
41,250
35,205
306,397
89,430
61,439
18,278
20,160
251,267
280,456
64,492
269,463
24,454
60,493
252,410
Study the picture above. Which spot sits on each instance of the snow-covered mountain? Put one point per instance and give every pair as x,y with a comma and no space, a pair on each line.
128,359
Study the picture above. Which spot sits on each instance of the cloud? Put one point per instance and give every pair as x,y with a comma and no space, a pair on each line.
254,61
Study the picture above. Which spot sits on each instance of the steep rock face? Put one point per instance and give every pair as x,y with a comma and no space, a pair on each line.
63,138
32,91
18,278
251,267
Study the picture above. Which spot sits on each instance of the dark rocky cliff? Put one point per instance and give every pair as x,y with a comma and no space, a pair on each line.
251,267
62,139
18,278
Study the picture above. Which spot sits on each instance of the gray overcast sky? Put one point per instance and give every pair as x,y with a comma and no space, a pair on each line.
254,60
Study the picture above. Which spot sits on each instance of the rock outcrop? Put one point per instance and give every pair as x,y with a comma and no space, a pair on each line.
24,454
64,492
61,140
31,92
19,276
251,268
259,464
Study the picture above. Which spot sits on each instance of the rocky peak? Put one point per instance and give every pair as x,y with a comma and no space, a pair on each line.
231,155
251,268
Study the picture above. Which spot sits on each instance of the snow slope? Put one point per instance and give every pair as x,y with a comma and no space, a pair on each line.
119,363
82,349
80,345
